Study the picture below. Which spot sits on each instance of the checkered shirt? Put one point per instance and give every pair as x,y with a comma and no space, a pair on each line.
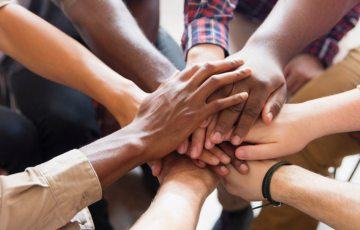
207,21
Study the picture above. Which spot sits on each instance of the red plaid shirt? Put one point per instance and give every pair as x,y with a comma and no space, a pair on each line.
207,21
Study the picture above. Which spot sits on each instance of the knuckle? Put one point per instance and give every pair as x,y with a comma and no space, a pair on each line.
252,112
224,91
209,66
232,63
262,85
235,108
194,66
238,75
276,107
214,80
218,105
222,126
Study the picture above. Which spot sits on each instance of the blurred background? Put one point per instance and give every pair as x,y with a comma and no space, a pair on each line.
128,198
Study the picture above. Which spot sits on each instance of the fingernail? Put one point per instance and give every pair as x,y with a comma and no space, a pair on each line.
270,116
241,61
225,159
208,144
152,168
181,149
241,154
223,169
245,71
243,167
193,152
244,95
202,163
236,140
215,160
204,123
216,137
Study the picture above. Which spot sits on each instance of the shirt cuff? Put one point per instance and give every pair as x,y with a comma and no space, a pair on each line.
325,49
205,31
73,182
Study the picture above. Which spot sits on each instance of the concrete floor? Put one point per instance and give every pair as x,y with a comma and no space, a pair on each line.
128,198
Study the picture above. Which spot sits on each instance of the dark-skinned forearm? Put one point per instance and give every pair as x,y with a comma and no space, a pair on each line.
113,35
292,25
147,15
116,154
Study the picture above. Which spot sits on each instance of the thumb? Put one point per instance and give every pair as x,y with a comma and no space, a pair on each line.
155,166
274,104
259,152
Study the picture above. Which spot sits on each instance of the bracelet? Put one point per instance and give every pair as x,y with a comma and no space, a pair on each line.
266,185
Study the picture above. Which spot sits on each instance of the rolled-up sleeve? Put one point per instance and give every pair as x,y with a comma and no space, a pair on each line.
207,22
49,195
326,47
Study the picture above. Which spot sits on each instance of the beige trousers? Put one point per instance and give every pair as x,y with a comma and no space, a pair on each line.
318,155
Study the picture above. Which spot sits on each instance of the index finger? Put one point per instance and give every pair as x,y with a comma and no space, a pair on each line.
211,68
249,115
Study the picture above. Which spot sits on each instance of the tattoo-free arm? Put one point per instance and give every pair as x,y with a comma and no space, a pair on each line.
52,54
292,25
176,206
335,203
298,124
113,35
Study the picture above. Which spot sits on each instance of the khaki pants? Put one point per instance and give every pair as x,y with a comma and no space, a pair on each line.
318,155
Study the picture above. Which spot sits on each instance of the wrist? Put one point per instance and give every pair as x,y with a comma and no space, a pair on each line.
264,49
186,190
204,53
123,100
281,185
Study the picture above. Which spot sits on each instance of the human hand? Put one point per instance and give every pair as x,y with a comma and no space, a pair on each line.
248,186
300,70
210,158
288,133
197,55
267,93
169,115
178,168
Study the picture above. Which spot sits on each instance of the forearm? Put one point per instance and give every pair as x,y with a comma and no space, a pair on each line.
176,206
334,114
147,15
292,25
116,154
204,53
114,36
332,202
57,57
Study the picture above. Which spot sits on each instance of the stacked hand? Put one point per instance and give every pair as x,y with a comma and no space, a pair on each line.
167,117
267,93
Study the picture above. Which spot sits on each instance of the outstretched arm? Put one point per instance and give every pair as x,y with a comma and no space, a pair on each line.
184,188
166,117
113,35
333,202
298,124
52,54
